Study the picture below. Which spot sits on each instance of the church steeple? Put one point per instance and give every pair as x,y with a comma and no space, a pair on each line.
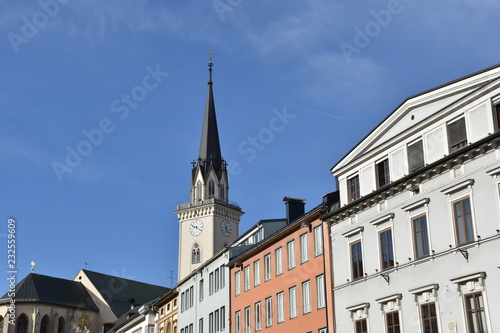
210,152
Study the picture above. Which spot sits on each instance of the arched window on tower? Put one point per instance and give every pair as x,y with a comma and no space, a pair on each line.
22,324
198,191
222,193
60,325
196,254
211,189
44,324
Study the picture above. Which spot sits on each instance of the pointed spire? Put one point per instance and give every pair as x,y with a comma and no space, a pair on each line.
210,152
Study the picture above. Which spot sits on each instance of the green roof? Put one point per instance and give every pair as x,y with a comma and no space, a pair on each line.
123,294
36,288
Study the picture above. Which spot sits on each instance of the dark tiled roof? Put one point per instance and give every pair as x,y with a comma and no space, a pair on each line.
36,288
121,294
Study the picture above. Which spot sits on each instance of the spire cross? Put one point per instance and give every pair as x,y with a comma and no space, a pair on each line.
210,64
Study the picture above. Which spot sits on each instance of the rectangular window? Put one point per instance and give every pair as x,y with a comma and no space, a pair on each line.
201,290
386,250
246,278
258,316
217,280
383,175
200,325
318,240
476,318
247,319
211,323
223,318
237,322
222,281
420,236
457,134
429,318
217,323
291,254
392,322
320,291
269,311
463,221
304,251
280,307
211,283
237,283
278,257
353,184
415,156
256,272
191,296
361,326
356,260
306,296
267,267
292,302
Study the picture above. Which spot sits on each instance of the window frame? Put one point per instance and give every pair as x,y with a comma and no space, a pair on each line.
304,248
278,260
246,278
420,237
291,256
292,302
414,162
320,291
357,270
353,188
237,321
432,320
247,320
456,145
269,311
395,327
256,273
383,172
389,247
359,327
318,240
237,283
306,297
267,267
280,307
474,311
258,315
465,225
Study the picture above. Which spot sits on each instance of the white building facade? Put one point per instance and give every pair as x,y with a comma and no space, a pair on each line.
417,232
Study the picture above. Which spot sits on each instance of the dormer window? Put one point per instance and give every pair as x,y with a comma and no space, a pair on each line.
415,155
383,175
353,187
496,115
457,134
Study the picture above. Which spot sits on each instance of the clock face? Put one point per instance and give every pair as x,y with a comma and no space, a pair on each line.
225,227
196,227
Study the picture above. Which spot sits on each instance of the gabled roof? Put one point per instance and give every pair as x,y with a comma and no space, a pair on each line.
36,288
121,294
421,106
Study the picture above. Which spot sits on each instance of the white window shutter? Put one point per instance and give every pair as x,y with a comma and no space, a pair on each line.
367,180
478,123
397,167
434,145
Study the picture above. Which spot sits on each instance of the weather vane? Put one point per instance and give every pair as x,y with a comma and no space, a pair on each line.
210,53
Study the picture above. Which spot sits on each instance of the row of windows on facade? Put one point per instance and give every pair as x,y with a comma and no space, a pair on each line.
170,306
278,260
254,321
22,322
216,322
464,234
457,139
211,191
474,316
216,282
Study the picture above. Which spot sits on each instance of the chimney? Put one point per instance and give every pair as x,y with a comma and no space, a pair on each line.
295,207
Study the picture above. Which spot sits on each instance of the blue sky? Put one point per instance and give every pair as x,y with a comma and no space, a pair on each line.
297,84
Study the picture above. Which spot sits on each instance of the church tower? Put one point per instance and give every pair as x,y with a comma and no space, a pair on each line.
209,222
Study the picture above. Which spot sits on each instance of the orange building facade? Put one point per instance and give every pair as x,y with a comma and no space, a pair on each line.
280,284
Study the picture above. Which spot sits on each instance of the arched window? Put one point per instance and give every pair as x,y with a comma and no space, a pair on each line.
211,189
22,324
198,191
44,324
222,197
1,324
169,328
196,255
60,325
